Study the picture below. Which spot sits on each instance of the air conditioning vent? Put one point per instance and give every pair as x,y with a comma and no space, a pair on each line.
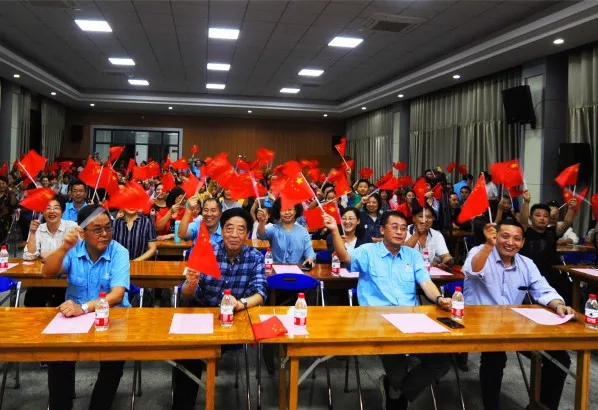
55,4
392,23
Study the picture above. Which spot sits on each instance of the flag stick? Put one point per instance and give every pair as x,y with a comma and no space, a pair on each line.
257,196
574,187
27,172
510,197
95,190
312,191
490,214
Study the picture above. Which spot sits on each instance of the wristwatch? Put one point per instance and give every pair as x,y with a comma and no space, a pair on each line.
85,308
437,299
244,302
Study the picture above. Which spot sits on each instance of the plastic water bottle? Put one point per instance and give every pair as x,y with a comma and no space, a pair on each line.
426,258
176,232
336,264
227,308
102,314
457,305
592,313
268,260
3,257
300,311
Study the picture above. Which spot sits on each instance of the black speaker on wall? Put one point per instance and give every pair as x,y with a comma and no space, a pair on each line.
572,153
336,139
519,108
76,133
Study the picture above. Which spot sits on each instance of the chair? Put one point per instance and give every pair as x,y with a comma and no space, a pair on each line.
14,288
136,390
293,282
323,257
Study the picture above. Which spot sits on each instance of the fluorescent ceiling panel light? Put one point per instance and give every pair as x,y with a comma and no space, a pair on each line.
456,76
288,90
215,86
53,93
92,105
310,72
401,95
223,33
347,42
364,108
16,75
325,115
558,41
94,25
170,108
138,82
249,111
121,61
218,67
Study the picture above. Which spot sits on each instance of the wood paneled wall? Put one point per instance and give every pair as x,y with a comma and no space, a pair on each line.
290,139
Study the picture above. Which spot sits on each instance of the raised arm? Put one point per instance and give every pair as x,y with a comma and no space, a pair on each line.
184,226
569,217
524,214
479,260
337,241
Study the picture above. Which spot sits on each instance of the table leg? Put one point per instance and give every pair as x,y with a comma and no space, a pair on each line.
582,384
210,384
575,294
282,380
535,379
294,383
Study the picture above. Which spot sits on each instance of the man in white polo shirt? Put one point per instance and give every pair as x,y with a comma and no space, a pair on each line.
421,236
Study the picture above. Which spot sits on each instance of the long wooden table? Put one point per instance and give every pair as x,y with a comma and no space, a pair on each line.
585,248
134,334
170,248
577,277
362,330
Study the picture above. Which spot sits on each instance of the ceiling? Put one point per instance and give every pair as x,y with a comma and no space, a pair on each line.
168,41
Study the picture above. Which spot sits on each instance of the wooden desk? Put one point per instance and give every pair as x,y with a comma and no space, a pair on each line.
585,248
318,244
359,330
170,248
134,334
577,277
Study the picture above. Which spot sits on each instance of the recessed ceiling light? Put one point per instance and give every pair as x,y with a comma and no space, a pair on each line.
53,93
347,42
121,61
289,90
558,41
94,25
364,108
223,33
249,111
325,115
218,67
311,72
456,76
400,95
215,86
138,82
170,108
92,105
16,75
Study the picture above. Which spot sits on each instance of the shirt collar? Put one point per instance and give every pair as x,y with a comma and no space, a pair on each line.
498,260
383,250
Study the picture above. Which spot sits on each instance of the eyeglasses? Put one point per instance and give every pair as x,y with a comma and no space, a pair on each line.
396,227
53,208
100,231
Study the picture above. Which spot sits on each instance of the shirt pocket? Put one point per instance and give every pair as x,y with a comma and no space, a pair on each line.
406,273
104,282
77,279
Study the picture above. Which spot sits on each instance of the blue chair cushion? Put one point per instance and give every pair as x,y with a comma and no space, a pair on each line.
291,282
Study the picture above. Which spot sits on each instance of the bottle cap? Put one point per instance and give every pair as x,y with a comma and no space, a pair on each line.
301,295
592,296
458,288
227,291
3,247
102,294
268,249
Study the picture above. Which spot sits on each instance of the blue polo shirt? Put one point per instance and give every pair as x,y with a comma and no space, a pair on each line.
385,280
87,279
215,237
70,212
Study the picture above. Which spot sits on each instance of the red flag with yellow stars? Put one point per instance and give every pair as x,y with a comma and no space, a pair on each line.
295,191
400,166
420,189
342,147
594,201
390,185
37,199
462,169
366,173
567,195
180,164
4,169
568,176
477,202
341,186
450,167
264,155
32,163
268,329
314,219
167,182
203,258
167,162
115,152
191,186
507,173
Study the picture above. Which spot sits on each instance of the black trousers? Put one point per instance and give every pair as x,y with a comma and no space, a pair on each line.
61,385
185,389
553,378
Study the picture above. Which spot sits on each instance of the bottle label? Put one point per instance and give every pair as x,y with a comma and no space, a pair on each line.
226,315
102,319
336,268
300,320
591,317
457,309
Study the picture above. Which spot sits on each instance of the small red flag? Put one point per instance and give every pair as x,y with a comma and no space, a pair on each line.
341,186
342,147
32,163
37,199
132,164
420,190
390,185
462,169
153,169
400,166
243,187
507,173
314,174
568,176
268,329
335,175
4,169
437,191
90,173
115,153
191,186
450,167
141,173
203,258
65,165
314,219
366,173
405,180
167,162
263,154
290,168
180,164
594,201
167,182
295,191
132,196
567,194
515,193
193,150
476,203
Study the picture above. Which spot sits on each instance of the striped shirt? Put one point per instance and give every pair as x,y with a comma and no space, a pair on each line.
136,238
245,277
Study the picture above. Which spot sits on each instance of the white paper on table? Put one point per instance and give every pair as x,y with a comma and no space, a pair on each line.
288,322
27,263
434,271
62,325
344,273
414,323
287,269
542,316
10,265
591,272
192,324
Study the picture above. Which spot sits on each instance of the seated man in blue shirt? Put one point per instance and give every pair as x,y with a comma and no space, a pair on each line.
243,273
92,265
78,194
211,211
496,274
388,274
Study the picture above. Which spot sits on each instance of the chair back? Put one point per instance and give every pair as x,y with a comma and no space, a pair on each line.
7,284
293,282
449,288
323,257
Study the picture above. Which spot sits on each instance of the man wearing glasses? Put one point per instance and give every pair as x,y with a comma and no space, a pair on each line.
78,195
388,274
92,265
